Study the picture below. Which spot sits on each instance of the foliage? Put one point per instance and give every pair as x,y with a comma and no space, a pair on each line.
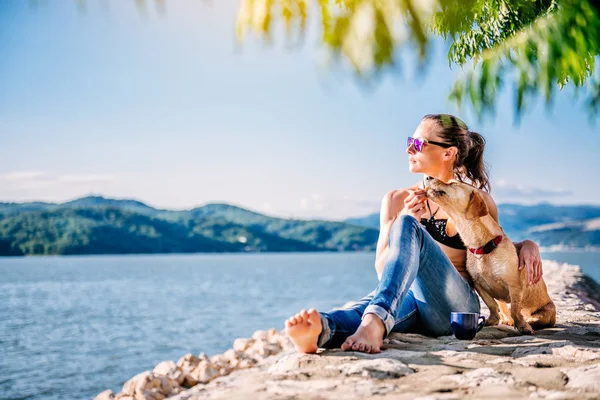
541,45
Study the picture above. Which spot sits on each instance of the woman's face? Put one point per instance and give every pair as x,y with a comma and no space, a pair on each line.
428,160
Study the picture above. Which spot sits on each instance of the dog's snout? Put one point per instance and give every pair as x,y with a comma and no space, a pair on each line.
433,183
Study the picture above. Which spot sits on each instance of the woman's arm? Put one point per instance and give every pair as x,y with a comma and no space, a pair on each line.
530,258
528,251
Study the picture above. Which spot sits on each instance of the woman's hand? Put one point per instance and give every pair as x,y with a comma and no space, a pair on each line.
414,204
529,256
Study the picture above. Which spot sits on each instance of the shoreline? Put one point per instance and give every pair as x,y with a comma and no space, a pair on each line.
543,249
268,358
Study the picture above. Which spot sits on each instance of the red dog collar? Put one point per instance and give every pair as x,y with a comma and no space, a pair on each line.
488,247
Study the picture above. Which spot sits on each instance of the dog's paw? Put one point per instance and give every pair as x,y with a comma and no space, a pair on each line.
492,321
525,330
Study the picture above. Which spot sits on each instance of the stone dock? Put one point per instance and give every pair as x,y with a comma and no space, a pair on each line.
562,362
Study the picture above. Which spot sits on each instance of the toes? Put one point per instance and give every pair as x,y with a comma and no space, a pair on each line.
347,345
304,314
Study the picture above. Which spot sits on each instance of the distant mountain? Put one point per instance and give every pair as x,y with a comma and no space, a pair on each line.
517,219
370,221
230,213
96,225
16,208
570,234
544,223
97,201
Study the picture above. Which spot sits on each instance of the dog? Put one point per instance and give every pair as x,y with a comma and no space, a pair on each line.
493,261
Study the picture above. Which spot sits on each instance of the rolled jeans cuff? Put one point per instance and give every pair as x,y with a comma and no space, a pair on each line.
386,317
325,334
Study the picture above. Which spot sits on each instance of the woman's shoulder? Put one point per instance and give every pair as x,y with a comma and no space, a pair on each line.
400,194
393,201
490,203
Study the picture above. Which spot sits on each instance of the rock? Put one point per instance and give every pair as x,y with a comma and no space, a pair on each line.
219,360
122,396
585,378
152,394
242,344
106,395
246,363
381,368
171,370
563,349
553,395
205,372
292,363
188,361
263,349
260,335
273,335
187,364
231,355
149,385
482,377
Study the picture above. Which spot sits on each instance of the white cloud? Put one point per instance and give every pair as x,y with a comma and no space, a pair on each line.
37,179
318,206
86,178
506,191
20,176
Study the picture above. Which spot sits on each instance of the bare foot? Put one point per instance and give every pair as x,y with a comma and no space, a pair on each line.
368,337
303,329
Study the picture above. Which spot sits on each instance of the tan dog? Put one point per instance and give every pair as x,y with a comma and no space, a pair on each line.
492,260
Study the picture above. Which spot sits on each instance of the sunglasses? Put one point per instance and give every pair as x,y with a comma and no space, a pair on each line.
418,143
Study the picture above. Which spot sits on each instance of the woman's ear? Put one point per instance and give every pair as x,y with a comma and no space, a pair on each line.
476,207
451,153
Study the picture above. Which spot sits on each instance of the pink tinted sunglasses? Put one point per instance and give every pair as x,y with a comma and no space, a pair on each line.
420,142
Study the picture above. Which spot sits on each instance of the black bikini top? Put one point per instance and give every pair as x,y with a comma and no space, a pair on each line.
437,230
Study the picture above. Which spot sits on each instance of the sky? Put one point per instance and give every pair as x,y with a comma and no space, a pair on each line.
167,108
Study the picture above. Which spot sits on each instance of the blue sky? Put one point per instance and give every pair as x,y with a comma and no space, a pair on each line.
166,109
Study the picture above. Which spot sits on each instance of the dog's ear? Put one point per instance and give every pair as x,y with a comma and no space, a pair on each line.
476,207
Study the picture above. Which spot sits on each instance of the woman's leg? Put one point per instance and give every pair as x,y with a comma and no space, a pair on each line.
338,324
417,264
400,300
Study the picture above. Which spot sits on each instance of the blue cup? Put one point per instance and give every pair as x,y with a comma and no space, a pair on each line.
465,325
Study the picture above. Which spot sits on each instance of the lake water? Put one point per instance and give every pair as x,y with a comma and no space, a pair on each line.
71,327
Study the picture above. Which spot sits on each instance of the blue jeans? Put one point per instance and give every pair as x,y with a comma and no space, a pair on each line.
419,287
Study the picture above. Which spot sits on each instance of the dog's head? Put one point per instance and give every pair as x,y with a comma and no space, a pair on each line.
459,200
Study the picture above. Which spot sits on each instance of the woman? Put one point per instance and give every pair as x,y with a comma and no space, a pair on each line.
420,259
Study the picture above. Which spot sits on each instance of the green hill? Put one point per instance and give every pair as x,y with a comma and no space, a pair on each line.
95,225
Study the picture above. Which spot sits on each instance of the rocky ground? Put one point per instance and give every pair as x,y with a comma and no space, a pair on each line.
558,363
